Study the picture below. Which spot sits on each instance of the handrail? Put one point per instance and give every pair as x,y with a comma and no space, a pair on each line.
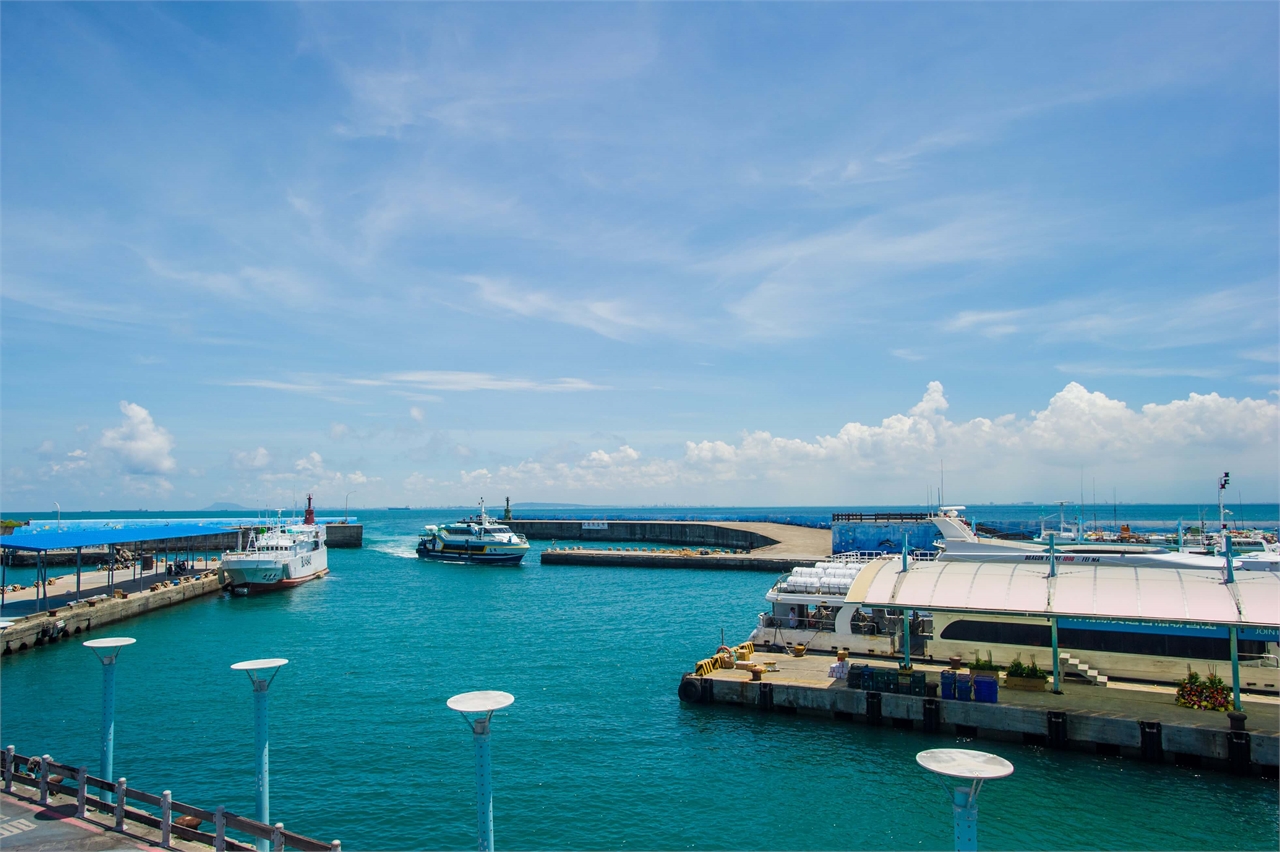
14,768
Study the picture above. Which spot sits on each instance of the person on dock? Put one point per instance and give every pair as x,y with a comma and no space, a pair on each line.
792,621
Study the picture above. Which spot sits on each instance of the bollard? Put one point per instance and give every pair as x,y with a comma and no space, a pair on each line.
166,818
121,786
220,829
44,780
82,790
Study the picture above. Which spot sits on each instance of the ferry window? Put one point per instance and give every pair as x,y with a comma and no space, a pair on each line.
999,632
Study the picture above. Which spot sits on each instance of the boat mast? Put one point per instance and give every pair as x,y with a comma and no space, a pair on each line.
1223,482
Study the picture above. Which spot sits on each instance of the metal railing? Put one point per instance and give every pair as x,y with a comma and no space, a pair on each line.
46,776
872,517
858,557
1266,661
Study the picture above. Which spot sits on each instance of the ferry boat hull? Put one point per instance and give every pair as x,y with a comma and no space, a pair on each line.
278,558
472,541
470,554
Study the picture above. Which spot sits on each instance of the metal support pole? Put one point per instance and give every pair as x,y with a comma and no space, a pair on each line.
1053,557
484,790
965,807
1235,668
1231,572
261,748
906,640
108,721
111,567
40,586
1057,664
79,552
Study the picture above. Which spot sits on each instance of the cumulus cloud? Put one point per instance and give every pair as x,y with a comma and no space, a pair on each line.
995,456
416,413
252,460
138,443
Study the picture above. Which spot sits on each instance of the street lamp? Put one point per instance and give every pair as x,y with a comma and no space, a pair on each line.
107,650
59,508
260,685
477,709
344,505
973,767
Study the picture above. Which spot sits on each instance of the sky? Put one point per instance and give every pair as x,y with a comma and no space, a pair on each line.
737,254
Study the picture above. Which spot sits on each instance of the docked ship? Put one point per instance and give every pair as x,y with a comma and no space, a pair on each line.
1145,615
479,540
279,556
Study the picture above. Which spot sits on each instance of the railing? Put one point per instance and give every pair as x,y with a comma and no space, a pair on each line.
858,557
873,517
46,776
1266,661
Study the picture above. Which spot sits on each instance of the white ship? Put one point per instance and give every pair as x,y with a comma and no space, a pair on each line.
279,557
479,540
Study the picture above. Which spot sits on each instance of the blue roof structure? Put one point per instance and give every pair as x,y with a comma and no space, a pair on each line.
44,541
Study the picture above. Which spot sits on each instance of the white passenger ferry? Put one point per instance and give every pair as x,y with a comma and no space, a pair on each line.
279,556
1109,609
479,540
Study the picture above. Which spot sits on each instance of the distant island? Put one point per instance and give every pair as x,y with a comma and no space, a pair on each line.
224,507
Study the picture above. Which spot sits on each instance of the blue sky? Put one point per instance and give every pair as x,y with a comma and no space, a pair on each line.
709,253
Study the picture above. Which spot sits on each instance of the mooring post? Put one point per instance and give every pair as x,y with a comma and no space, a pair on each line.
166,818
121,786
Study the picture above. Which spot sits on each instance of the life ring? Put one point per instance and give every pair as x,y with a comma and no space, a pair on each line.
690,691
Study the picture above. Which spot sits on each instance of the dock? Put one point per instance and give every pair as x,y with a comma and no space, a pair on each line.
755,546
1134,720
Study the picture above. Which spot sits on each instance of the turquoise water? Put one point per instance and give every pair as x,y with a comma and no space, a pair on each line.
596,753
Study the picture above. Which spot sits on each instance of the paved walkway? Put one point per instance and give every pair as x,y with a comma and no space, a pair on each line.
793,541
92,582
26,826
1149,702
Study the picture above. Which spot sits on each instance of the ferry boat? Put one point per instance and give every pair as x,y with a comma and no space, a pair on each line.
278,557
479,540
822,608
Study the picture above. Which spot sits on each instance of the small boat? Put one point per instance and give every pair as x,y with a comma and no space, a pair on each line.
278,557
479,540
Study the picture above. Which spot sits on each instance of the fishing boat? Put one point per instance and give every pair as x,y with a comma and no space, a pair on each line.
278,556
477,540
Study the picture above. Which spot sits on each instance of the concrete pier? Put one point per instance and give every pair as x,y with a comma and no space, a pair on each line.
72,619
341,535
760,546
1128,719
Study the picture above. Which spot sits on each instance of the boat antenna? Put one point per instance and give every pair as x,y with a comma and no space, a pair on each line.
942,483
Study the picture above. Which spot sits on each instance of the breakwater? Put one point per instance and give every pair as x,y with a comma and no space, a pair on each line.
674,559
685,533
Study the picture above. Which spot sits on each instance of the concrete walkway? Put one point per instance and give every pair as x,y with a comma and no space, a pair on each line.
92,582
1154,703
26,826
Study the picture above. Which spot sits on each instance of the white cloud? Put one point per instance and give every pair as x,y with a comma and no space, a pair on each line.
310,465
453,380
138,443
416,413
611,317
998,456
252,460
338,431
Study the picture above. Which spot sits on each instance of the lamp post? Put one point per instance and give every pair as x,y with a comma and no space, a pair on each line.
477,709
261,683
107,650
59,508
344,505
973,767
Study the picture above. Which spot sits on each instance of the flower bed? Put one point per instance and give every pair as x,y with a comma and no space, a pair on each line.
1210,693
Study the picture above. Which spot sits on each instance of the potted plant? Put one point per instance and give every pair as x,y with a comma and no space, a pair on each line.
1209,693
1026,677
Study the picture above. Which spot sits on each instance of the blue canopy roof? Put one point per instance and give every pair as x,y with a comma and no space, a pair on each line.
42,541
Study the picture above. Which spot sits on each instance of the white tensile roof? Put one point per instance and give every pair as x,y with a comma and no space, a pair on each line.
1192,595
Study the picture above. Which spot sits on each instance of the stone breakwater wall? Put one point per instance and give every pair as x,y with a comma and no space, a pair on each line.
73,620
688,534
652,559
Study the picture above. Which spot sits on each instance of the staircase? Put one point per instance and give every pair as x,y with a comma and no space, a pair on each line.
1069,663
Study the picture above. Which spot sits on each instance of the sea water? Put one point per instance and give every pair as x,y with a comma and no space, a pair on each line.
596,753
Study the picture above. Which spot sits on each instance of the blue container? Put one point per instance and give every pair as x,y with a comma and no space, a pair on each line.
964,683
948,684
985,689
